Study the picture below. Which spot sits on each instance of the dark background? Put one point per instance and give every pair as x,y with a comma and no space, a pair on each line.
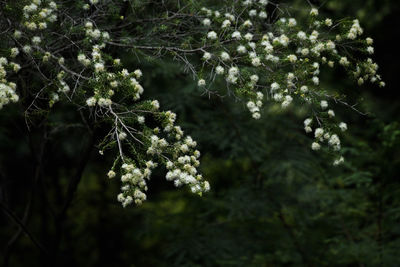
273,202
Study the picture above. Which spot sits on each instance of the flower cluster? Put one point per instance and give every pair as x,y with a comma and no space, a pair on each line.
8,89
37,14
133,182
97,81
165,145
258,58
35,17
284,62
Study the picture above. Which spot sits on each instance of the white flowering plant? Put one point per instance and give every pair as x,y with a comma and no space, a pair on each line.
70,51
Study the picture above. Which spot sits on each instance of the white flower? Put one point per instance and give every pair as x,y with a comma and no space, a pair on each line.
53,5
307,122
256,115
184,148
233,71
263,15
254,78
91,101
330,45
99,67
252,45
125,73
334,141
274,86
301,35
138,73
278,97
247,23
304,89
248,36
315,80
343,61
201,83
232,79
230,16
314,12
206,56
226,23
292,58
328,22
331,113
236,35
95,34
140,119
31,26
122,135
3,61
305,51
319,132
256,62
219,70
89,25
27,49
315,146
111,174
247,2
206,22
292,22
36,40
252,54
263,2
104,102
81,57
287,101
283,40
120,197
324,104
42,25
253,13
225,56
327,135
117,62
338,161
17,34
155,104
212,35
343,126
16,67
105,35
241,49
370,50
251,106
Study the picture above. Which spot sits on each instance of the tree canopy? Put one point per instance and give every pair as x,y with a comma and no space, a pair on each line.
272,116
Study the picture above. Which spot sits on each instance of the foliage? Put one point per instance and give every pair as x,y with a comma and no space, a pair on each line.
273,201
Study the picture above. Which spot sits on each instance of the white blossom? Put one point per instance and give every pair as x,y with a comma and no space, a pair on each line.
212,35
201,83
343,126
315,146
324,104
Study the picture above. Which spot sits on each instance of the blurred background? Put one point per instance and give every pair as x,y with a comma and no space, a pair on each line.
273,202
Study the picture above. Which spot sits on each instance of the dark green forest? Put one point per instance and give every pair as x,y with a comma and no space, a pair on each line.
273,201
